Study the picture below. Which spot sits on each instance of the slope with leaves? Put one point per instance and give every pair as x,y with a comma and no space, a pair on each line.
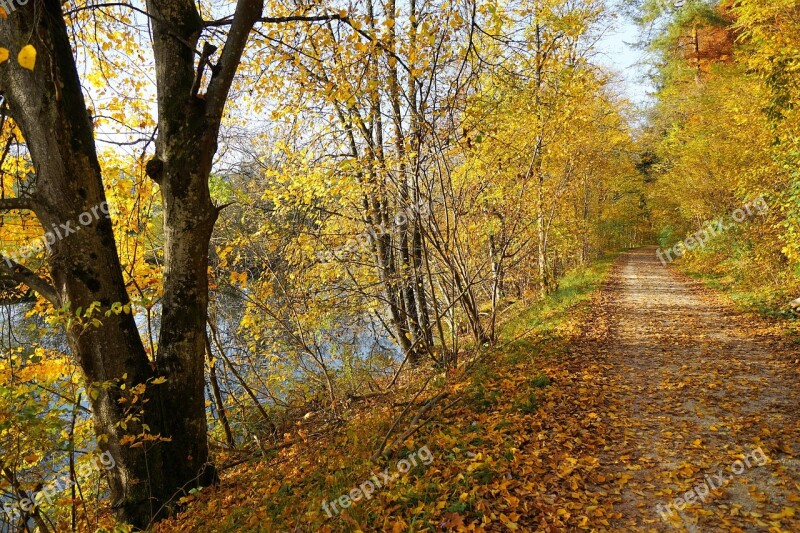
519,425
598,407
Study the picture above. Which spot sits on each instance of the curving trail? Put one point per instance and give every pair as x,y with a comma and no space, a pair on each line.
702,399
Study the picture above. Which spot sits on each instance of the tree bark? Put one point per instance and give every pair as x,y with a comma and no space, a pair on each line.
49,106
407,271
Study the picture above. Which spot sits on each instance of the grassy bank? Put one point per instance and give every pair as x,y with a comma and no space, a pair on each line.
465,450
763,292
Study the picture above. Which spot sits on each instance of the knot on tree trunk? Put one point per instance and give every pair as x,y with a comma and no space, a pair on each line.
155,169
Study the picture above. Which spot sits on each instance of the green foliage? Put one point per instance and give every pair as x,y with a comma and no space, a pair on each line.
540,382
484,401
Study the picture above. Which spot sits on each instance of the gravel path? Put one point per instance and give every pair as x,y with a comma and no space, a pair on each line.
701,394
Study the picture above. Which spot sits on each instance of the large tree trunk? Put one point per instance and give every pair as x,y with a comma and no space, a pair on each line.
184,150
49,107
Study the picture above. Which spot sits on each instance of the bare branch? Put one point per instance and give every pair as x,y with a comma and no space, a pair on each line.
18,204
279,20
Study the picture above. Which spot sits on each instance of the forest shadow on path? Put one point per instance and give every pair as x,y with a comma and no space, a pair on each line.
702,399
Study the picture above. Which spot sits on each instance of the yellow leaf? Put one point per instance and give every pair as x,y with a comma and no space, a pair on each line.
508,522
3,55
27,57
787,512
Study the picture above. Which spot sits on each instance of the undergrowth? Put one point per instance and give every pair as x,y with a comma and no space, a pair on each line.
470,434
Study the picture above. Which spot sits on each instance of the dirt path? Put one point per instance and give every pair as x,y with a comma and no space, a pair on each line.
701,393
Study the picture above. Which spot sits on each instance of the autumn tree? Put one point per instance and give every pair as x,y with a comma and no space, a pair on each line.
399,105
83,277
720,138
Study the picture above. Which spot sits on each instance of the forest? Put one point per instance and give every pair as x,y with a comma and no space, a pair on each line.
428,265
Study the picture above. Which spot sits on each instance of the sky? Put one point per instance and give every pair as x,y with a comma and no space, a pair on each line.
616,51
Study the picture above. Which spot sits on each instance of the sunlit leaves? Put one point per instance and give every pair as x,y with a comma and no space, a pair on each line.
728,136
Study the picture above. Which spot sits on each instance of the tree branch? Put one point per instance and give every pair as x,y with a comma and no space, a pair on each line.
135,9
208,50
18,204
278,20
379,45
245,17
22,274
109,4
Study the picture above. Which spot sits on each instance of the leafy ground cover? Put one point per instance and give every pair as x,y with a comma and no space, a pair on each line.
500,442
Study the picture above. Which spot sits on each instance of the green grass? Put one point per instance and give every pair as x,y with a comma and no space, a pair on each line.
765,301
544,318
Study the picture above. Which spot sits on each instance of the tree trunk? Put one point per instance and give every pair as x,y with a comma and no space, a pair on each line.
387,256
406,268
49,106
188,129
